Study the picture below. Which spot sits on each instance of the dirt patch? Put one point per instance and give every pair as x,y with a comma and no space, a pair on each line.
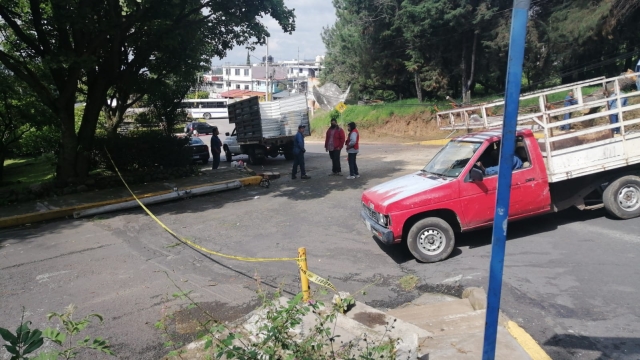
188,321
370,319
398,129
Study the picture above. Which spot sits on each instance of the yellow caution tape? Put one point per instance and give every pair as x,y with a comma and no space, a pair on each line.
311,276
318,279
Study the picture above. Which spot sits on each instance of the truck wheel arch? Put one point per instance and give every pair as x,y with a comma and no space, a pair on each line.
447,215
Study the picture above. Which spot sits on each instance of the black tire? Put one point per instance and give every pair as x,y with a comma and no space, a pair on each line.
255,159
206,116
622,197
288,155
432,233
228,155
288,151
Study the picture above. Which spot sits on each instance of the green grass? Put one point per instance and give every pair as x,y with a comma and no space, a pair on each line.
371,115
27,171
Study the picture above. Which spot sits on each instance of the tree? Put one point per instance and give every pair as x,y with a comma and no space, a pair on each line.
364,49
446,47
20,112
54,45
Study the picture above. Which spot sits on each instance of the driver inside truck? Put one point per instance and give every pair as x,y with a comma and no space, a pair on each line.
493,160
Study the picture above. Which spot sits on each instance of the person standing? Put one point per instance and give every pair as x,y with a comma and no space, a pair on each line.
298,155
568,101
613,104
333,143
216,148
353,147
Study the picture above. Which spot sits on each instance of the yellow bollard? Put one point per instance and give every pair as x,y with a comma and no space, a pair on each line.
304,281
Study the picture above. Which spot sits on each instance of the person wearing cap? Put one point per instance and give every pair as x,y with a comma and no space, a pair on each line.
298,154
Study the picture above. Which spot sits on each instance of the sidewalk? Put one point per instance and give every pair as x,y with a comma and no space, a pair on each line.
62,206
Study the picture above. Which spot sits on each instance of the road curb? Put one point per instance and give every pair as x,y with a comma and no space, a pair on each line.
528,344
526,341
30,218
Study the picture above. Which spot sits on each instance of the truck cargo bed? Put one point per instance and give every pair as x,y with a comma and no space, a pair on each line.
590,146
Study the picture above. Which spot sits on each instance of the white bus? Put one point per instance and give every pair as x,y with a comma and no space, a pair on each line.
206,108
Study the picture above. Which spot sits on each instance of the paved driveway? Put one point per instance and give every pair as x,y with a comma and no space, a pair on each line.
571,279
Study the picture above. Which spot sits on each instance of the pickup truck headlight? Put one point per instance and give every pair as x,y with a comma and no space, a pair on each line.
383,219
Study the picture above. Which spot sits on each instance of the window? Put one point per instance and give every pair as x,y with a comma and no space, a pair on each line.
227,71
246,87
246,72
238,86
490,156
237,72
218,86
452,159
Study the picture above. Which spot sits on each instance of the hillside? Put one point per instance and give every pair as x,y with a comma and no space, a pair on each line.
398,122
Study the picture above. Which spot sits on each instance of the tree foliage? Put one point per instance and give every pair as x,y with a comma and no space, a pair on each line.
20,113
433,48
118,49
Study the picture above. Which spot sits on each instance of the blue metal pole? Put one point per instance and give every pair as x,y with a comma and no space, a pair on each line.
512,97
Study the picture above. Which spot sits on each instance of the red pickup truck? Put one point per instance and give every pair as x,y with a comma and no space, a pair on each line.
456,190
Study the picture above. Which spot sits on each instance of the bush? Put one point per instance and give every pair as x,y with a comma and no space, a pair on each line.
39,141
141,150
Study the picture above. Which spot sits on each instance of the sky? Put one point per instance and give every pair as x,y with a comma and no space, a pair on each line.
311,17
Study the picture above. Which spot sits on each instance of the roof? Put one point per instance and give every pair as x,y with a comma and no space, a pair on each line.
237,93
491,135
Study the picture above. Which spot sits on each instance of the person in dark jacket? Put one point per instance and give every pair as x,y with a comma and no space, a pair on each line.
333,143
216,148
298,154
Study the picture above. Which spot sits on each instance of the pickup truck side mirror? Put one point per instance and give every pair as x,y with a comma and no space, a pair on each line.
226,134
475,175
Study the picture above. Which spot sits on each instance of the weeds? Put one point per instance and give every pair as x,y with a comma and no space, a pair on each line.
409,282
26,341
294,329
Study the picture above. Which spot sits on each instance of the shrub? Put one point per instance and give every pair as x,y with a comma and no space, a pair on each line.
39,141
141,150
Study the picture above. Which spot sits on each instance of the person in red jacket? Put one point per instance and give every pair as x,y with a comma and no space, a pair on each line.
333,143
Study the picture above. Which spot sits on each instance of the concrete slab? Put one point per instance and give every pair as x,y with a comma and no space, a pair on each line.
384,322
429,312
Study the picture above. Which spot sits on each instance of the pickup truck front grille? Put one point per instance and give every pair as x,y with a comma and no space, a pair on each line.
371,213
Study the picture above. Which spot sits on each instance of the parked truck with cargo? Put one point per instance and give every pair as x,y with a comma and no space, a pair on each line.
265,129
594,164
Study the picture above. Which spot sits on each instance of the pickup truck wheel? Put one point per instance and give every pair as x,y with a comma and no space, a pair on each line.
622,197
431,239
228,155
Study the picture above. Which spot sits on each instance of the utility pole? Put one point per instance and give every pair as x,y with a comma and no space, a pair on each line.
266,70
519,18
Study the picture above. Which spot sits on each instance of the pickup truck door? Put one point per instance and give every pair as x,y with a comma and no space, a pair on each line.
232,142
478,199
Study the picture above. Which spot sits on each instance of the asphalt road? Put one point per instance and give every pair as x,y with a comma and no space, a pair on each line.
571,279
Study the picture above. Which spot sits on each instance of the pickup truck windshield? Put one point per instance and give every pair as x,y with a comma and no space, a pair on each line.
452,158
